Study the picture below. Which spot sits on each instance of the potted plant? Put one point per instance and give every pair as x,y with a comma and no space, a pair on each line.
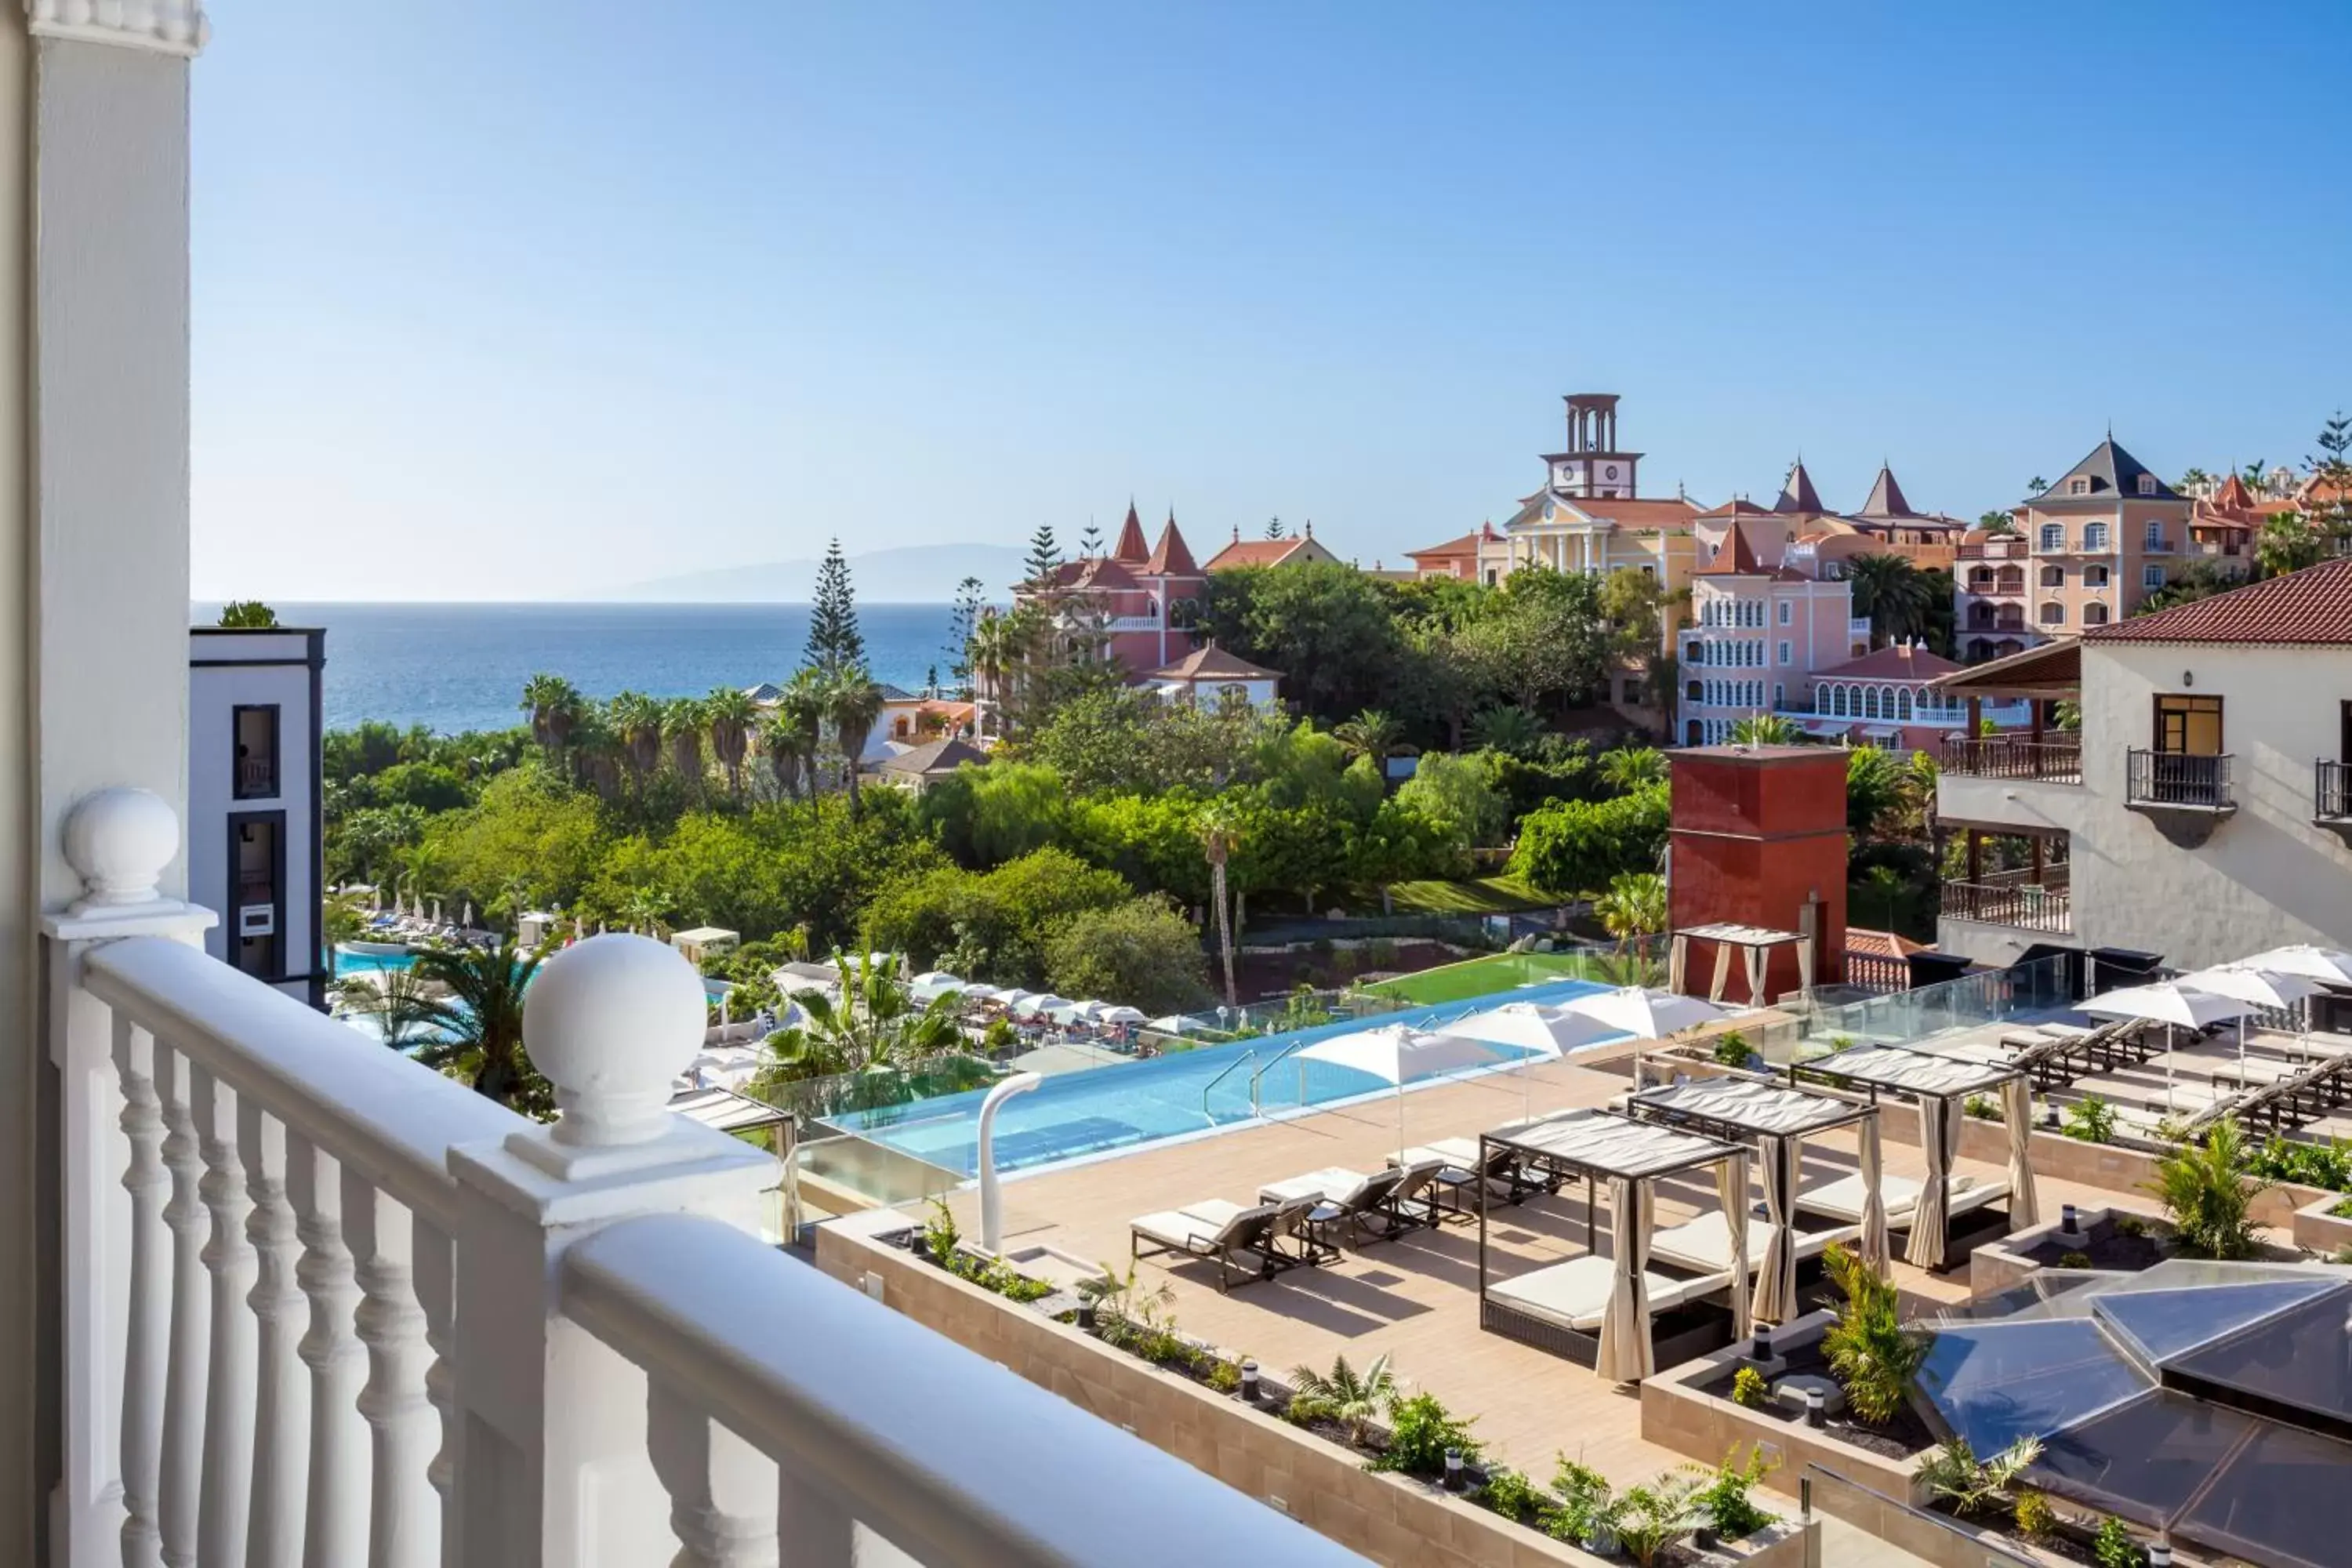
2209,1195
1872,1353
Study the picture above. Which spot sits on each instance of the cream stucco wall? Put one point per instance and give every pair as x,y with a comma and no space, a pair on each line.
2267,875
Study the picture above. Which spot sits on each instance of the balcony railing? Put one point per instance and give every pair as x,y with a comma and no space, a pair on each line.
2009,547
2014,757
2021,899
322,1305
256,777
2331,790
2178,779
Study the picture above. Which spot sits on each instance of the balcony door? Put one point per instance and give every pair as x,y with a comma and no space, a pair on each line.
2188,726
257,892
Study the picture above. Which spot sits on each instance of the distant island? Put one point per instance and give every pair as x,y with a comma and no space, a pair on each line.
906,575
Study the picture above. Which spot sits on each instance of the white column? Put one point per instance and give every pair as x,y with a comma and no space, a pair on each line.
554,1425
93,615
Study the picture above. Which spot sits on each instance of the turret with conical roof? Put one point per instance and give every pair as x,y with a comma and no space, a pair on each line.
1886,496
1171,557
1131,548
1799,495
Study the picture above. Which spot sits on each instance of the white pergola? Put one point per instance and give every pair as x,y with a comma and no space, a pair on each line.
1756,945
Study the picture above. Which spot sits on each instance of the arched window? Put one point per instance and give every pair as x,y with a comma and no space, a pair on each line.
2094,614
1902,703
1870,702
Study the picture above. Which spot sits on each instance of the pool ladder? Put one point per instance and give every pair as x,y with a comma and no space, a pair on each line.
1230,1066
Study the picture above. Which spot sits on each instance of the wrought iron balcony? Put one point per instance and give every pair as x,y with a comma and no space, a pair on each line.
2178,780
2046,760
2019,899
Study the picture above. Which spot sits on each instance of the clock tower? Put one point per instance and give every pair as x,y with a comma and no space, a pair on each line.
1593,467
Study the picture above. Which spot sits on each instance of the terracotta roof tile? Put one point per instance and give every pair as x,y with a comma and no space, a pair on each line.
1466,545
1170,558
1881,944
2309,608
1210,662
1799,494
1902,662
1886,496
1254,552
1130,547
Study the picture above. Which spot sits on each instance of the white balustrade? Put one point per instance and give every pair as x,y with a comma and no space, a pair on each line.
326,1307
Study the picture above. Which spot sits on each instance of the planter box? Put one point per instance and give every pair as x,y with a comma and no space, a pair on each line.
2008,1262
1676,1413
1389,1518
2317,1230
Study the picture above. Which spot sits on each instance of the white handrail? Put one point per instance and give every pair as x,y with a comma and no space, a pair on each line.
378,1113
968,1465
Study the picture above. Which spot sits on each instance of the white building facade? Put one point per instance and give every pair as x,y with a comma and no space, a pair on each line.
2201,812
255,808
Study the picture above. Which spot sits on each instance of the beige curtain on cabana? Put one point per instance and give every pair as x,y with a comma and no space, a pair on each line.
1776,1273
1805,964
1758,955
1731,1192
1722,972
1939,1126
1874,1204
2017,1109
1626,1354
1677,961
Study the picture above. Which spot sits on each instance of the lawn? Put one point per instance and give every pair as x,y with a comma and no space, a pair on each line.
1486,976
1479,896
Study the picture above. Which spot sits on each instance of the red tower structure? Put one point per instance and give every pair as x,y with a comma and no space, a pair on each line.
1757,837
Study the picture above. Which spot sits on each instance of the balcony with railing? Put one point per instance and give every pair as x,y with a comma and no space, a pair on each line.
2001,547
2331,796
2185,795
256,777
2049,759
323,1305
2021,898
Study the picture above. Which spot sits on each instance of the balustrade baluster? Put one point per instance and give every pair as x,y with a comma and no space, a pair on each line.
723,1496
147,1336
404,1529
230,1372
437,1295
282,1398
180,1462
335,1523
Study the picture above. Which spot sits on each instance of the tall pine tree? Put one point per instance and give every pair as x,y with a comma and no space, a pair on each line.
1045,554
1090,541
1273,527
959,630
835,643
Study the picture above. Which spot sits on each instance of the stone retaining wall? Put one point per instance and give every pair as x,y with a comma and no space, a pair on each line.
1388,1518
2320,1231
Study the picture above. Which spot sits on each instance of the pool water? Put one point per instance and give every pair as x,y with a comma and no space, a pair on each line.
1129,1103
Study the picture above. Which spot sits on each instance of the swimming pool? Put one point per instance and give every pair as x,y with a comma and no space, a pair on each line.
1090,1112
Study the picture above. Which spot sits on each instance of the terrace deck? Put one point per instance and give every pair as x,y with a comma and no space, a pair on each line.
1415,1299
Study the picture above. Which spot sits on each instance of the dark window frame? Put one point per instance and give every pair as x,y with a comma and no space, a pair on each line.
234,937
2182,704
236,788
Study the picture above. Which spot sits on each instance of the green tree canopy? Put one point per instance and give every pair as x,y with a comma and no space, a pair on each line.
247,615
1575,847
1142,953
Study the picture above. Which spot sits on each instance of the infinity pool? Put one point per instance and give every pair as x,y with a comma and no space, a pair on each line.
1129,1103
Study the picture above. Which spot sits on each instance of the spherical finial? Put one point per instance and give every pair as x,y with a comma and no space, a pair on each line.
612,1021
118,840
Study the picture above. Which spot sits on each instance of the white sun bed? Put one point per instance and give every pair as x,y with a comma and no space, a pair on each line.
1706,1242
1841,1199
1574,1294
1330,1181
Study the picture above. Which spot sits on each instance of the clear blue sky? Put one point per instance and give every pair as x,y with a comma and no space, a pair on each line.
517,299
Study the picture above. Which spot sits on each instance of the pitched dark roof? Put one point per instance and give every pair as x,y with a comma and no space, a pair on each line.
1798,494
2310,608
1904,662
1210,662
941,756
1736,559
1131,548
1886,498
2113,473
1170,558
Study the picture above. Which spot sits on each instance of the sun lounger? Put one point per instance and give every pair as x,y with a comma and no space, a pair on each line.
1574,1294
1704,1245
1241,1241
1372,1207
1458,1157
1841,1200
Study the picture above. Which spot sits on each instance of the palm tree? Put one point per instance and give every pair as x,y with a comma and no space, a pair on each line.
852,703
1507,729
1892,593
1764,730
1634,907
481,1023
1370,733
599,759
1219,828
801,713
730,713
995,651
682,722
781,748
874,1027
1354,1399
394,1000
645,910
2209,1194
553,704
1628,768
636,720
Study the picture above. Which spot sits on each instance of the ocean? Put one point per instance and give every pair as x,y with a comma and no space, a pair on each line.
453,668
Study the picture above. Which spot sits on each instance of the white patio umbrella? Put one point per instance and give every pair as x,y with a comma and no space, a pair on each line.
1036,1005
1121,1014
1173,1024
934,982
1646,1013
2249,981
1015,999
1070,1012
2169,1002
1395,1054
2324,964
1541,1032
978,993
